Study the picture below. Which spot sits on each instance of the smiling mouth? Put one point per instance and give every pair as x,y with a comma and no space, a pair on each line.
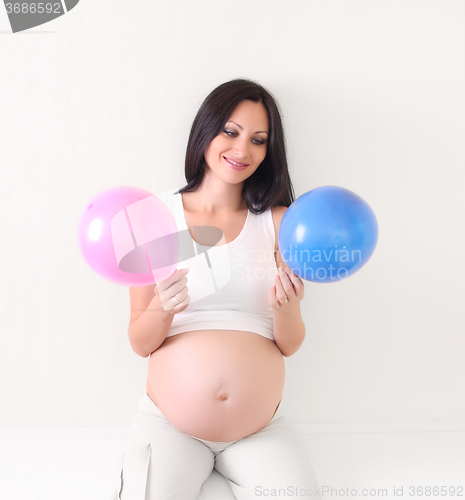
236,164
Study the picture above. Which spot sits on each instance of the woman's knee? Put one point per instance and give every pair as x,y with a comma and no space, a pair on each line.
162,461
273,458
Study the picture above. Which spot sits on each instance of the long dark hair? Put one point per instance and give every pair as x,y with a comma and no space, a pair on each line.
270,185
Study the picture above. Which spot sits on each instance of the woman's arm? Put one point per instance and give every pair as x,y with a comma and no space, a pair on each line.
288,331
149,324
288,326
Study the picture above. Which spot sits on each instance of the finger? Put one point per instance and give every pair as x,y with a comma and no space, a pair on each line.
186,301
169,307
181,296
293,277
183,305
175,287
180,276
296,281
280,293
174,278
286,283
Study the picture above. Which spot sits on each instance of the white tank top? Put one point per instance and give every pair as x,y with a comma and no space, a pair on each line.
229,284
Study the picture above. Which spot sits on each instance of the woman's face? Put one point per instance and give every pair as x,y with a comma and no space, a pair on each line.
241,143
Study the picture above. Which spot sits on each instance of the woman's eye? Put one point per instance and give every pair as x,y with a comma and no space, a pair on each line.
257,142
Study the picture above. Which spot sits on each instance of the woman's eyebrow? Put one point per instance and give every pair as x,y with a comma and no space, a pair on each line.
258,132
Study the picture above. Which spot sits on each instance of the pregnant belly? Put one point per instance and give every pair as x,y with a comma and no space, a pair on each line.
217,385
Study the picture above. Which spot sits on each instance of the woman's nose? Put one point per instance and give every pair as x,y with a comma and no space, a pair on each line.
241,149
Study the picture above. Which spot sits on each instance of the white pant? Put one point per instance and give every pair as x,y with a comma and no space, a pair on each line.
161,462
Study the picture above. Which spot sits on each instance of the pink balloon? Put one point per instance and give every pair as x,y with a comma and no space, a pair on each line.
129,236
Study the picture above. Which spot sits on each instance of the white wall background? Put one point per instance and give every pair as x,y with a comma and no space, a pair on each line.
372,94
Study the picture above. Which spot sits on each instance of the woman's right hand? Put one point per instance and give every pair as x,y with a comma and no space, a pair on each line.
174,286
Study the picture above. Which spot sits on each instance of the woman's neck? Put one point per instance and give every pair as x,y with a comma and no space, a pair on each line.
215,198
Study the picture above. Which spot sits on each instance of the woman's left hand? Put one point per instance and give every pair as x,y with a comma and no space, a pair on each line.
287,291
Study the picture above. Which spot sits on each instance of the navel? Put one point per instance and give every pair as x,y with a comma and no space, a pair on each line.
223,395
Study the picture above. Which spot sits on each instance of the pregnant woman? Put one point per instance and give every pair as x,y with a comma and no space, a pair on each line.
216,367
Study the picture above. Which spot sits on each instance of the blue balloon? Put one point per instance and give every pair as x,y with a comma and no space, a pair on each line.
327,234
